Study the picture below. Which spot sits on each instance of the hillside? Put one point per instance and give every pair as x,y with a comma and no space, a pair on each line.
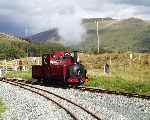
45,36
115,35
130,34
4,37
12,47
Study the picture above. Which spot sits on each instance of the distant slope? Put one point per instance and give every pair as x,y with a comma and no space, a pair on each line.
12,47
129,34
115,35
50,35
5,37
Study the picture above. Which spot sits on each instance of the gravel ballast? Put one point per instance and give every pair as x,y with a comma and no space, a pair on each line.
24,105
107,107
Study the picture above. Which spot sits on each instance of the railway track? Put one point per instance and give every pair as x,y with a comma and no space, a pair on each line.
99,90
74,110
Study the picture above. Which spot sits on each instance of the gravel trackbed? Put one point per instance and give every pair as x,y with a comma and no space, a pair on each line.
24,105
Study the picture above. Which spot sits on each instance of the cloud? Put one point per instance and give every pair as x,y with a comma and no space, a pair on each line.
66,15
133,2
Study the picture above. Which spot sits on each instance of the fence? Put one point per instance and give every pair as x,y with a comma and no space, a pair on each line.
13,65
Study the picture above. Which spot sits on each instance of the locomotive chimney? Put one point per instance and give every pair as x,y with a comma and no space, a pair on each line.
75,56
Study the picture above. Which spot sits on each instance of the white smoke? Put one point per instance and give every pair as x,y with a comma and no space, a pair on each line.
67,19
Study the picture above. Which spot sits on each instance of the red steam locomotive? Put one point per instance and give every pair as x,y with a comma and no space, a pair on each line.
60,67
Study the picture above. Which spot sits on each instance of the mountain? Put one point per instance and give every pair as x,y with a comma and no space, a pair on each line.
13,47
8,38
51,35
115,35
118,35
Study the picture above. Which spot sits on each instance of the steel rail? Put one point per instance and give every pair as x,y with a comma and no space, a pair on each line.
99,90
69,101
21,86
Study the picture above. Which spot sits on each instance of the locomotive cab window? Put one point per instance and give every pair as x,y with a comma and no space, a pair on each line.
45,60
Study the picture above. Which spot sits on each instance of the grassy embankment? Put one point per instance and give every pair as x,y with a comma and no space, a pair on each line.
125,75
19,74
2,108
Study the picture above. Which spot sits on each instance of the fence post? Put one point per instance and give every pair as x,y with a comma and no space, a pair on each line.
139,58
131,57
110,60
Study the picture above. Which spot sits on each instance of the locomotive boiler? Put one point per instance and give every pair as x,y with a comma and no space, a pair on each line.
60,67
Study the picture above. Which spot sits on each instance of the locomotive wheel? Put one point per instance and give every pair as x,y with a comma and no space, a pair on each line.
41,81
35,81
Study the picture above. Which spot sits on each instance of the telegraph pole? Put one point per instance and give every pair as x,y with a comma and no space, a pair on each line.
98,38
98,42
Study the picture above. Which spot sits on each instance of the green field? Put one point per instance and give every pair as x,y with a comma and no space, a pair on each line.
2,108
118,83
132,80
19,74
125,75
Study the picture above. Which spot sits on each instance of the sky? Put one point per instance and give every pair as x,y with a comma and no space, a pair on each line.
34,16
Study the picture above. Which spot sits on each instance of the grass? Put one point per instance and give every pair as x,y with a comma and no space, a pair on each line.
2,108
19,74
123,76
118,83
